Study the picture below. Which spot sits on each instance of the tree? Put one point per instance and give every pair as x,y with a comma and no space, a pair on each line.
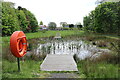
0,18
32,21
17,19
52,25
19,8
41,23
22,20
104,19
117,22
79,26
63,24
71,25
10,21
88,21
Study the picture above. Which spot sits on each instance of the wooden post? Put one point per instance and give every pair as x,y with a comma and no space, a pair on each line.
18,61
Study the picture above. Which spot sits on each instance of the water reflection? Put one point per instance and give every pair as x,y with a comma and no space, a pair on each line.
78,47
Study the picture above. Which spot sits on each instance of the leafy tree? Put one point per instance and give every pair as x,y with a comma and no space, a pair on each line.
22,20
71,25
0,19
52,25
88,21
20,8
63,24
34,25
32,21
41,23
117,22
104,19
79,26
17,19
9,19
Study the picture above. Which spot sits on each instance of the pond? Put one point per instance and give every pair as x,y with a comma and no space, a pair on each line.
78,47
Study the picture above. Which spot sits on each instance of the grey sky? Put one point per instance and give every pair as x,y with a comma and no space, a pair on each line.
70,11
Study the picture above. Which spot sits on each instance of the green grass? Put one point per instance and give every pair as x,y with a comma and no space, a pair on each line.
40,34
89,69
29,69
110,36
64,33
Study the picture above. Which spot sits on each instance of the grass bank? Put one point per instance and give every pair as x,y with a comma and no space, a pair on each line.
64,33
41,34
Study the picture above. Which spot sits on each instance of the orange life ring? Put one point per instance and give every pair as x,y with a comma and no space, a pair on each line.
18,44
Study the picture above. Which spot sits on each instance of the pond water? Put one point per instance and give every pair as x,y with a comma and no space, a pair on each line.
76,47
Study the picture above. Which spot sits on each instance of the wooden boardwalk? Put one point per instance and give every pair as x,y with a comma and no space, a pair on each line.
58,62
58,36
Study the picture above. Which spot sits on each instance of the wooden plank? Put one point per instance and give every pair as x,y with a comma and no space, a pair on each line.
58,35
59,62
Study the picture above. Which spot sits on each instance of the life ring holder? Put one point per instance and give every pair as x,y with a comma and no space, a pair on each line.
18,44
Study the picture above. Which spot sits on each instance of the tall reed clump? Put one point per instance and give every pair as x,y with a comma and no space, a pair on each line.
98,69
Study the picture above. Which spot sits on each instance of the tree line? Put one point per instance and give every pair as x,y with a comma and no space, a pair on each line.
104,19
17,19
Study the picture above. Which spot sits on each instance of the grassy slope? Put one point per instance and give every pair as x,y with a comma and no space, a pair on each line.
53,33
46,34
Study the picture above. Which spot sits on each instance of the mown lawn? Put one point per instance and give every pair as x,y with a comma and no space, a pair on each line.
46,34
64,33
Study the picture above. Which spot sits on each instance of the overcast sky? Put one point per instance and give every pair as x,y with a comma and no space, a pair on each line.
70,11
